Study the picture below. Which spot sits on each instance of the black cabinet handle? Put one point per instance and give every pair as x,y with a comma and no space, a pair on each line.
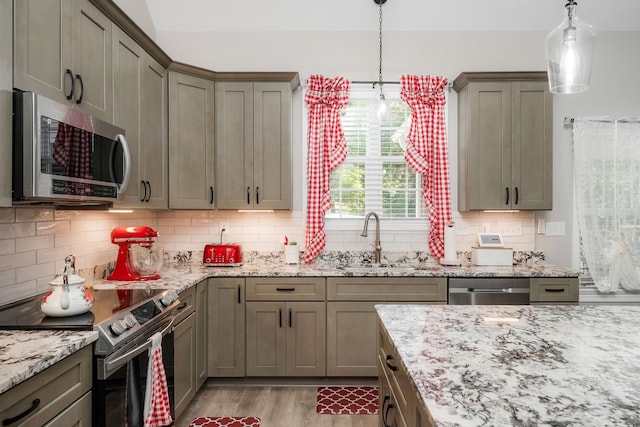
257,195
507,196
9,421
554,290
280,318
290,318
144,196
390,406
79,100
182,306
248,195
285,289
148,196
73,84
239,296
517,195
211,191
383,410
389,364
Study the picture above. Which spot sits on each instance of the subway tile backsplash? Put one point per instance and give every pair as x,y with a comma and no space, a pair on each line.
34,241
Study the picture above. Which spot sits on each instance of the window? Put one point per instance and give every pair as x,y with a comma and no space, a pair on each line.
375,176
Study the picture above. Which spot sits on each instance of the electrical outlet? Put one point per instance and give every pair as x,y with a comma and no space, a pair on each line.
541,226
556,228
510,228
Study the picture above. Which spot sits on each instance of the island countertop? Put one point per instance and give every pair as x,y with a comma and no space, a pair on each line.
520,365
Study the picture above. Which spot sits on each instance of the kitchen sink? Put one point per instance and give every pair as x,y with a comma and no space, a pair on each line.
397,268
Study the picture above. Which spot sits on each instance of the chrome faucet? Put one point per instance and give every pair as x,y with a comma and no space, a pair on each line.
377,248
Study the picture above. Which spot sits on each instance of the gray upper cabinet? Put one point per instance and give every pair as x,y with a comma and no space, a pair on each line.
191,139
139,107
505,141
253,145
63,51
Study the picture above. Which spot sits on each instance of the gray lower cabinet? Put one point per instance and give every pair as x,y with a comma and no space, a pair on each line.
505,141
554,290
184,343
286,326
351,316
191,142
226,327
202,341
253,145
60,395
140,107
62,49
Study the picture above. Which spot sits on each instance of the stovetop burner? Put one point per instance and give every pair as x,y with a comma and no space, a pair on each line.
119,315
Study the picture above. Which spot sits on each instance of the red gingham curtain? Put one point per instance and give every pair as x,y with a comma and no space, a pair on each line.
327,149
427,150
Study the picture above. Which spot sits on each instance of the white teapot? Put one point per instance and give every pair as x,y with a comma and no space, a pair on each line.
68,296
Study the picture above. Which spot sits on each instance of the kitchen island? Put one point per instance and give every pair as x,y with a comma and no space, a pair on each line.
518,365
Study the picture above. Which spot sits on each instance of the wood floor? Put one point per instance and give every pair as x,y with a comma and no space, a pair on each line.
276,406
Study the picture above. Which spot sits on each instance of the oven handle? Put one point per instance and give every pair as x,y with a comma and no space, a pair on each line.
114,362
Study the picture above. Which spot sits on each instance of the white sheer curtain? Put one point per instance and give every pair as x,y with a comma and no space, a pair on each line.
607,187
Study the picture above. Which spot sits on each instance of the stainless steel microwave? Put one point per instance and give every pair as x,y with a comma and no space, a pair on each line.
62,155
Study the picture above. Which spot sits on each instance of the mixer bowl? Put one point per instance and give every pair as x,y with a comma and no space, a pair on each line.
145,261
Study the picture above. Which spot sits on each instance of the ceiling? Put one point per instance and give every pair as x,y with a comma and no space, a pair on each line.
362,15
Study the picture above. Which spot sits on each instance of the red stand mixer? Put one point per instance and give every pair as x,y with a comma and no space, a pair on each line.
128,267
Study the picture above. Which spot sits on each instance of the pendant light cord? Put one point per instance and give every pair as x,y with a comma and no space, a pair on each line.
380,42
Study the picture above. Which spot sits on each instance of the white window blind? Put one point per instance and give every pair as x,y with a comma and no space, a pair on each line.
375,176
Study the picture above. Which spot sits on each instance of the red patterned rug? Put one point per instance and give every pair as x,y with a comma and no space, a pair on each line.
347,400
225,422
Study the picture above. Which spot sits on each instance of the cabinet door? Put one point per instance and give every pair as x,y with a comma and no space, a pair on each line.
532,142
78,414
127,79
306,340
226,328
266,339
191,137
272,145
42,47
489,148
234,146
184,343
351,339
154,150
6,102
92,61
202,303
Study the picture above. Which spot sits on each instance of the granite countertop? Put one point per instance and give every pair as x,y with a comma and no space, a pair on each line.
24,354
555,365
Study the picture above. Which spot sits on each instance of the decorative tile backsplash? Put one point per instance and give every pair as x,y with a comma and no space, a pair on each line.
34,241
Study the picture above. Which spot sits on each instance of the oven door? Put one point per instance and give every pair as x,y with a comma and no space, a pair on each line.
120,380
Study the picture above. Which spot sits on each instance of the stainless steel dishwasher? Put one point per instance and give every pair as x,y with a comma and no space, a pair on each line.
489,290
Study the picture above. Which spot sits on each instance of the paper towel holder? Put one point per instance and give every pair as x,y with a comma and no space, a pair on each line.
452,260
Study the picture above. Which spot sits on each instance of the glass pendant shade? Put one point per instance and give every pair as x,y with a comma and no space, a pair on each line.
382,110
570,48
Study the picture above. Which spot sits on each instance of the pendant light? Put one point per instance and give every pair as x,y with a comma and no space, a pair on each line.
382,111
570,49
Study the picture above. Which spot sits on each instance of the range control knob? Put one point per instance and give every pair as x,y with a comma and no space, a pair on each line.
118,327
168,298
130,321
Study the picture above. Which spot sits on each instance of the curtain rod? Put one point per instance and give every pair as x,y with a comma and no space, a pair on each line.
376,82
569,121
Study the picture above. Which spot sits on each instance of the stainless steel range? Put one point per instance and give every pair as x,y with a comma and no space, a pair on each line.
125,319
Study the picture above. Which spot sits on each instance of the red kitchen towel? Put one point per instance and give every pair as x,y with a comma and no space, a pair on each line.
157,411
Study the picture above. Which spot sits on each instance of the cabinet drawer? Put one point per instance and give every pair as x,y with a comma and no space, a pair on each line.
430,289
554,289
279,289
77,415
187,304
398,379
50,391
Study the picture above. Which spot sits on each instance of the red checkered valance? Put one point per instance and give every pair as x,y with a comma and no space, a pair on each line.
427,150
327,149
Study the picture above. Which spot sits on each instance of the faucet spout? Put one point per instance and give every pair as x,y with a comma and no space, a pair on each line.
377,247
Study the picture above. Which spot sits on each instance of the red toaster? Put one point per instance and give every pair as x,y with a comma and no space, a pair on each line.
222,255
